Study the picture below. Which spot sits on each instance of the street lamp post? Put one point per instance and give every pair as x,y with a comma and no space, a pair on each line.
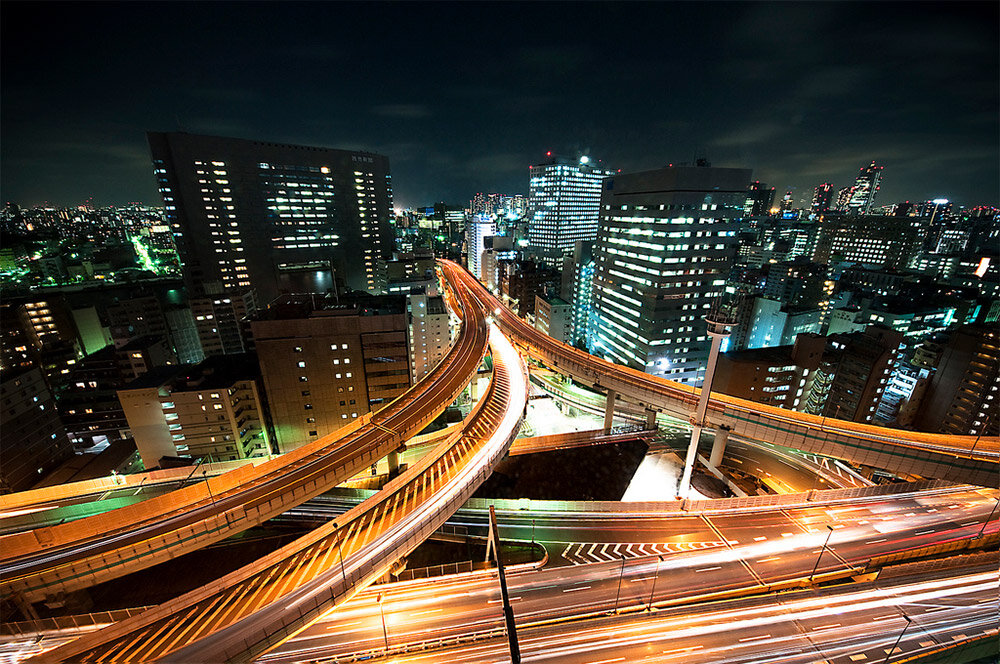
816,566
340,553
652,591
204,474
983,529
621,573
385,632
898,638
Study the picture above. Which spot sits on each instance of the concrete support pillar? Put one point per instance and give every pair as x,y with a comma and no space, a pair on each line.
698,423
650,418
719,446
609,411
26,607
692,454
393,460
474,388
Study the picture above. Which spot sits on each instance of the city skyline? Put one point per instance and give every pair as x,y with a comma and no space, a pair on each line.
463,98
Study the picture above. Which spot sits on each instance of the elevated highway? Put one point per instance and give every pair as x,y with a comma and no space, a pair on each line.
955,458
79,554
260,605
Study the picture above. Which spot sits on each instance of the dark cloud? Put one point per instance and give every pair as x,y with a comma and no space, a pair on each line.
402,110
462,97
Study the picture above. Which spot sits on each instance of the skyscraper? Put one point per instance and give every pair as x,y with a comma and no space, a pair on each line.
273,217
759,200
865,188
666,242
822,197
480,227
563,203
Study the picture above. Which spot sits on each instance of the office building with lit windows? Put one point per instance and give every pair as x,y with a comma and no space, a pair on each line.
273,217
665,247
889,242
822,198
479,228
326,362
429,332
563,203
866,186
212,411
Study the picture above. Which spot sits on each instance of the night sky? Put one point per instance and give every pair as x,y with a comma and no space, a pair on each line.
463,97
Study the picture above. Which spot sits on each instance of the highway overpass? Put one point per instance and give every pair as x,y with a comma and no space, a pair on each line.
956,458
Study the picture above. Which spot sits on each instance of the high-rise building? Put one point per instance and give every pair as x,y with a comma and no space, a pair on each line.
429,333
480,227
774,376
853,375
891,242
843,198
865,189
581,294
327,362
34,440
963,397
665,247
212,411
554,317
273,217
523,280
822,198
759,200
787,201
563,203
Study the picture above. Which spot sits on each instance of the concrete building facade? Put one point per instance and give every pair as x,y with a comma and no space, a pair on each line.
326,364
665,247
273,217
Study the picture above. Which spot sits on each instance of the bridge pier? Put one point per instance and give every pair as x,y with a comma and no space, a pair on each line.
718,329
719,446
393,460
650,418
609,411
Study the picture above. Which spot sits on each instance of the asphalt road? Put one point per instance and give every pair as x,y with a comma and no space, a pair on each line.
781,546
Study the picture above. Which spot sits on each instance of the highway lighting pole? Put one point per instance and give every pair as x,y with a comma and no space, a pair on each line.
204,474
983,529
385,632
898,638
816,566
659,559
621,573
340,553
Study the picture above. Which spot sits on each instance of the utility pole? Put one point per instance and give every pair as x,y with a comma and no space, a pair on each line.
659,559
493,543
816,566
621,573
385,632
983,529
898,638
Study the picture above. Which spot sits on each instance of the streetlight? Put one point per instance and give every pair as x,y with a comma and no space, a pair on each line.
983,529
385,633
898,638
621,573
340,552
659,559
207,484
816,566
